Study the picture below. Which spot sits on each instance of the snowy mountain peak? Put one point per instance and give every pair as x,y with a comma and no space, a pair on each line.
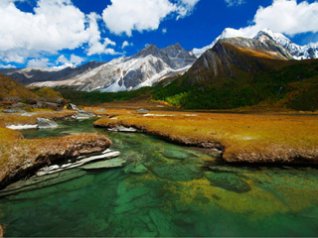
146,68
298,52
276,37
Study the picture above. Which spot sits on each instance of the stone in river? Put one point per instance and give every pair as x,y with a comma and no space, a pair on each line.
142,111
228,181
106,164
136,168
46,123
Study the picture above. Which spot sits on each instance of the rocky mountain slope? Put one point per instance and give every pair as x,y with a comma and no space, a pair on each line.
29,75
146,68
298,52
240,72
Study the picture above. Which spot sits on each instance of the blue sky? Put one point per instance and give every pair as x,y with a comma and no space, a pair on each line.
59,33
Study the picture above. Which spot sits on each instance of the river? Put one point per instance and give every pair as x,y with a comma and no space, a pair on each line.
164,190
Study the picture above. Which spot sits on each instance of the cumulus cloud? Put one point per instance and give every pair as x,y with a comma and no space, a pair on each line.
285,16
125,44
72,61
126,16
40,63
96,46
232,3
53,25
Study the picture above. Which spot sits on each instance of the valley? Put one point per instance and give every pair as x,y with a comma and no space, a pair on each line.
163,142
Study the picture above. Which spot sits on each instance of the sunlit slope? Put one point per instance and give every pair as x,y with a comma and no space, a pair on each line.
232,75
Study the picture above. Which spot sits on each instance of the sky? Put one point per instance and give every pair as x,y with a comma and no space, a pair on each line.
61,33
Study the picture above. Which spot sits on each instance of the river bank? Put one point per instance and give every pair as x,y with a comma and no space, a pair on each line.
239,138
20,157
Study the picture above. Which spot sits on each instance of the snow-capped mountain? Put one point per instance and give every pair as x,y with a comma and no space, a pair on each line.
227,33
146,68
298,52
29,75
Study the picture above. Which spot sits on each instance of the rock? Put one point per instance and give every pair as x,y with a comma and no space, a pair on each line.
13,110
122,129
228,181
73,107
136,168
22,126
46,123
175,154
82,115
108,164
142,111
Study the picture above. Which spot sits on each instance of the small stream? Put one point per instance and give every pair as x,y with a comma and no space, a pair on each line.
164,190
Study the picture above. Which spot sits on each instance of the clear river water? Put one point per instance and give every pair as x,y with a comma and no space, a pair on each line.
164,190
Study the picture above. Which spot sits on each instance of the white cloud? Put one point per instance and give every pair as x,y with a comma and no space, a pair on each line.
232,3
96,46
73,61
285,16
185,7
164,31
125,44
54,25
125,16
41,63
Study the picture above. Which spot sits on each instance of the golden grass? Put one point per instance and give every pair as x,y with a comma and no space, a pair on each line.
246,137
18,155
16,118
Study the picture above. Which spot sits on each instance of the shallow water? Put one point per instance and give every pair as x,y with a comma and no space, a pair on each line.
165,190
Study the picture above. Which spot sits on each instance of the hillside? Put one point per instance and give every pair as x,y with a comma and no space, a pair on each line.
12,93
231,76
11,90
146,68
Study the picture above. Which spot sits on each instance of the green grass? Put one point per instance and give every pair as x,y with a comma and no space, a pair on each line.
96,97
293,86
246,90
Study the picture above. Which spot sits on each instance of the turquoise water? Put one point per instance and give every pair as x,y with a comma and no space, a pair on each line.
164,190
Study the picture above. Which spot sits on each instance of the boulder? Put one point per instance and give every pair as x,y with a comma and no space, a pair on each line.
83,115
46,123
73,107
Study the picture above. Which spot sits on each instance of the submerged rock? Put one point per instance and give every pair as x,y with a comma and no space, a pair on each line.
175,154
136,168
228,181
81,160
108,164
46,123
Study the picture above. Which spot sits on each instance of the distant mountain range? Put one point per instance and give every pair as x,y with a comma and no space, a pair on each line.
146,68
152,65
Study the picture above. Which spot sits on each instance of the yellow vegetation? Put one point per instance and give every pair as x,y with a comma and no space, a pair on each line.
18,155
246,137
